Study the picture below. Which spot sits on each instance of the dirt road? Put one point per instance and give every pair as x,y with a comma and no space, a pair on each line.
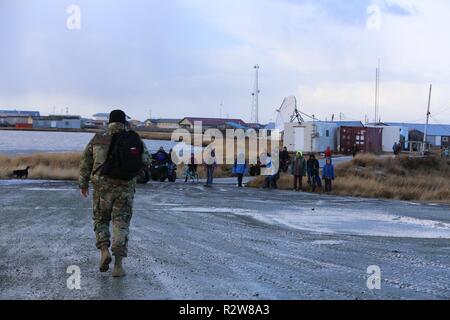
188,242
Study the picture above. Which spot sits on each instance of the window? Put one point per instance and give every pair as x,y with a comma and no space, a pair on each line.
327,133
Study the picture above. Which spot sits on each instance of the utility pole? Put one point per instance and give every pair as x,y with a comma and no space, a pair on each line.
220,109
377,91
255,94
428,119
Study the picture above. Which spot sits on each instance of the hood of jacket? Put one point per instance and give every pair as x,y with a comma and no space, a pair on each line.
115,127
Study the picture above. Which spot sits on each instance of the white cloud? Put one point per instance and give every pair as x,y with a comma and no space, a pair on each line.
333,63
317,50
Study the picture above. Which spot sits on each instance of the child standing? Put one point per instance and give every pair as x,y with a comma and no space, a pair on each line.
239,168
211,164
298,170
328,174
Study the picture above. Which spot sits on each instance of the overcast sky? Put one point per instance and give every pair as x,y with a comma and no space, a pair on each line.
184,57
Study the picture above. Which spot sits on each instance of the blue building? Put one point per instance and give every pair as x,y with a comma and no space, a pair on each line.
438,135
19,113
57,122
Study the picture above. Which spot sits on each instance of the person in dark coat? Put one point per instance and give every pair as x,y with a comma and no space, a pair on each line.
284,160
328,174
399,148
255,169
161,156
395,148
313,168
298,170
354,150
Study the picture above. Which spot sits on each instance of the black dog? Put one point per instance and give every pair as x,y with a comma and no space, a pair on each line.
21,173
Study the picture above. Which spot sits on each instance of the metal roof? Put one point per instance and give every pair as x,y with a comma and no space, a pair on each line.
214,121
19,113
337,123
235,125
433,129
269,126
348,123
165,120
58,117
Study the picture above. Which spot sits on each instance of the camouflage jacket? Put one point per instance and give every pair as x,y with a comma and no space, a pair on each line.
94,156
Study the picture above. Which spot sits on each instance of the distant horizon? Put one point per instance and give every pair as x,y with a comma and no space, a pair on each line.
156,118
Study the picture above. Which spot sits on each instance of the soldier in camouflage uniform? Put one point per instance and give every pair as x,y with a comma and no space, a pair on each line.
112,198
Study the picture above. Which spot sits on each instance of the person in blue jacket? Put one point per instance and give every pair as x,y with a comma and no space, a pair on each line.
328,174
239,168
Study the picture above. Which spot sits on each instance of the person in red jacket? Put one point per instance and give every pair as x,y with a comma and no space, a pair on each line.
328,153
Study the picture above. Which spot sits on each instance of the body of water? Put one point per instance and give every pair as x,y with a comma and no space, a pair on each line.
27,142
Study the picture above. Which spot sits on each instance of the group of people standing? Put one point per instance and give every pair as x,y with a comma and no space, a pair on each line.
210,165
300,167
311,168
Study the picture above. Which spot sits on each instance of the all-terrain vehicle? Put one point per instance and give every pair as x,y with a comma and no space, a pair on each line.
162,171
162,167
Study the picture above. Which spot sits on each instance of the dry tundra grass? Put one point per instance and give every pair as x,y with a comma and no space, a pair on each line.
65,166
56,166
403,178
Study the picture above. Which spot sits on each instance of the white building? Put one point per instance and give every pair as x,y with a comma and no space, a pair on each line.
101,116
391,135
314,136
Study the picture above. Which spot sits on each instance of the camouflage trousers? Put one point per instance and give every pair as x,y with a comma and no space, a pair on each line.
113,202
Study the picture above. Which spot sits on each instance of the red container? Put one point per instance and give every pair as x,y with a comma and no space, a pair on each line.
24,126
366,139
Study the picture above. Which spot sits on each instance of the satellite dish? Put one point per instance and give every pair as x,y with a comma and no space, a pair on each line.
288,112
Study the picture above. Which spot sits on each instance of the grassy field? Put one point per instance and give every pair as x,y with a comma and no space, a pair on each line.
57,166
65,166
402,178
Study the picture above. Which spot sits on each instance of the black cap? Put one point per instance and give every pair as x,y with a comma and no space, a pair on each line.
117,116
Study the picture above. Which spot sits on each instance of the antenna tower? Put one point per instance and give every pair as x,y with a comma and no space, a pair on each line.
255,94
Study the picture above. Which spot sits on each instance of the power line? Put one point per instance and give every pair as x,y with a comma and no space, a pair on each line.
443,126
442,111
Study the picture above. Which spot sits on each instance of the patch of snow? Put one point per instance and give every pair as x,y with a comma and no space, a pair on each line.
354,222
212,210
328,242
12,182
49,189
